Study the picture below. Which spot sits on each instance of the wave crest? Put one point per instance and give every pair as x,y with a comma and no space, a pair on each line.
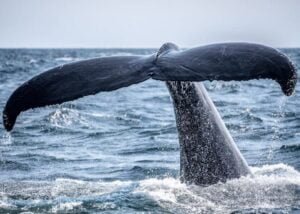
269,187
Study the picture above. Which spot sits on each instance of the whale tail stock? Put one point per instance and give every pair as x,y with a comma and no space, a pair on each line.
227,61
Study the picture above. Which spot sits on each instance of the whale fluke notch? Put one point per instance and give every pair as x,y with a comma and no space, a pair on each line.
227,61
165,48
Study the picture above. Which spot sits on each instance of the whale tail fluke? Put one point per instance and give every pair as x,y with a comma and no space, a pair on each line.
72,81
228,61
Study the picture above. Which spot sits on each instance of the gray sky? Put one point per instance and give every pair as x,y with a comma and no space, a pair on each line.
147,23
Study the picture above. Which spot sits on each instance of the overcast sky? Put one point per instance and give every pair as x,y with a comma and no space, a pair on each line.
147,23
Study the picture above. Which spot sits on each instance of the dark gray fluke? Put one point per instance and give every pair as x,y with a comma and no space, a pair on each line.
228,61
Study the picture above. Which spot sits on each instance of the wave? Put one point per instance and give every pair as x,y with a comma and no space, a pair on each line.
67,59
290,148
13,165
269,187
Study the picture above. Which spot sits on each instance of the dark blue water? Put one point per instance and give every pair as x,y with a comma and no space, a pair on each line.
118,152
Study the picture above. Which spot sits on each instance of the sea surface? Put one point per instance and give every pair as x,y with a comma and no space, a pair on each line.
118,152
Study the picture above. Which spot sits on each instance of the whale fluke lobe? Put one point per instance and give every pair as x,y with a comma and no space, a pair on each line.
228,61
71,81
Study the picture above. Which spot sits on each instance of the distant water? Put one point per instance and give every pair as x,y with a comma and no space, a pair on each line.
117,152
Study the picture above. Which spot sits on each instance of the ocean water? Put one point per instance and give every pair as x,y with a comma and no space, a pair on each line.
117,152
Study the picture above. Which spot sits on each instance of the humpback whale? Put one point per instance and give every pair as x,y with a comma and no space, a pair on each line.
208,153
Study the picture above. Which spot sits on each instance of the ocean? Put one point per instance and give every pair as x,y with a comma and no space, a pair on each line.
118,152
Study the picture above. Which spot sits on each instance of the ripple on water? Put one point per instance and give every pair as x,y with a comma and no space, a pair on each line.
290,148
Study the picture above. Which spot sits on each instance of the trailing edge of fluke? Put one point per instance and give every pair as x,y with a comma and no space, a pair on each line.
226,61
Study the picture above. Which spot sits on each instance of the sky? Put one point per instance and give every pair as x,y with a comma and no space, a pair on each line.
147,23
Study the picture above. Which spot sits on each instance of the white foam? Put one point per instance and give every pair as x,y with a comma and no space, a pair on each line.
67,206
6,205
66,117
77,188
173,195
160,189
270,186
6,139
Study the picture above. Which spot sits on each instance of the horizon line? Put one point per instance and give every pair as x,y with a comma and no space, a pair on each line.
133,48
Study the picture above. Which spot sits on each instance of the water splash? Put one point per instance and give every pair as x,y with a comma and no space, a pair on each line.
270,187
6,139
66,117
278,117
